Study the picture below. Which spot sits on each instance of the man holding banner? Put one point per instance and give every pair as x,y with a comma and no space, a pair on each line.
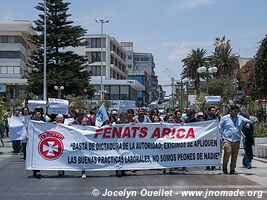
231,126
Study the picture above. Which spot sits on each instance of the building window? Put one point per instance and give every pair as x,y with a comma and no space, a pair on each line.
114,74
96,70
4,39
16,70
136,58
9,70
96,43
3,70
95,57
107,92
115,92
9,54
124,92
129,57
129,66
13,39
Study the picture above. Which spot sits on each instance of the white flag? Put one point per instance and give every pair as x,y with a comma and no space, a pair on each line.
101,116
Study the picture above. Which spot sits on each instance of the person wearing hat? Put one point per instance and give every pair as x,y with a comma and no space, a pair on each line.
200,117
114,117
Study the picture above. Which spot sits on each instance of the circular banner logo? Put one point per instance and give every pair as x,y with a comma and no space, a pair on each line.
99,116
51,146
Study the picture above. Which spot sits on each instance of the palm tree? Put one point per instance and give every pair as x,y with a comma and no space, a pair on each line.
197,58
223,58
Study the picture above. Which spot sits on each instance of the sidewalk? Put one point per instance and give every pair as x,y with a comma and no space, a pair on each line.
7,149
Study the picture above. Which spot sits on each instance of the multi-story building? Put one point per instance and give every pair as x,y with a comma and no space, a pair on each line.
114,69
242,61
141,67
14,51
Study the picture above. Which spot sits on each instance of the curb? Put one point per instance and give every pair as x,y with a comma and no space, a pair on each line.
264,160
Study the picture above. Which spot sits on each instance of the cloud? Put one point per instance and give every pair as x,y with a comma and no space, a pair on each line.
188,5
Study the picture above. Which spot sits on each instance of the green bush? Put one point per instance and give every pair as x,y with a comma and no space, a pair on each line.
261,130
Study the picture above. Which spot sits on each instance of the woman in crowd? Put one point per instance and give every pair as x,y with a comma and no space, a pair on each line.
155,118
171,119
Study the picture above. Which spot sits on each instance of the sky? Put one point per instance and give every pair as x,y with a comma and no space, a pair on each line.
169,29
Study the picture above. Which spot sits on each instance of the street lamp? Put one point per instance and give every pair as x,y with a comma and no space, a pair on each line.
207,71
59,89
102,22
186,82
182,85
45,76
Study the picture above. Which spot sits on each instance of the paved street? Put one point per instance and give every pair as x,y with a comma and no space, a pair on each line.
18,184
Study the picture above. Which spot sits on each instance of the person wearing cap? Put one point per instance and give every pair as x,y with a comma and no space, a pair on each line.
200,117
60,119
114,117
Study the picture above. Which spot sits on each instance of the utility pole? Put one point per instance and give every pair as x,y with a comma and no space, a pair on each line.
172,93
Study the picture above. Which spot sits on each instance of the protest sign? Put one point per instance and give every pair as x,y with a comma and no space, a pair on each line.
125,105
122,146
213,99
32,104
58,106
17,127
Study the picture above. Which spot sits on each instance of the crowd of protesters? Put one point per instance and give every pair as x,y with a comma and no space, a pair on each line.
142,115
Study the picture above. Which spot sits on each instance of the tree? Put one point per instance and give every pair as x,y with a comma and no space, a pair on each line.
64,67
223,58
246,78
261,70
220,87
197,58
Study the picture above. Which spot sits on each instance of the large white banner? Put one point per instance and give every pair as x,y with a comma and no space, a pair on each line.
17,127
124,147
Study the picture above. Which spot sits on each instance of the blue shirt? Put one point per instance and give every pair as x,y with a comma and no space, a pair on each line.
231,127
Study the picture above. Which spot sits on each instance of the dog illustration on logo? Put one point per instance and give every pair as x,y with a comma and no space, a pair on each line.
50,146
